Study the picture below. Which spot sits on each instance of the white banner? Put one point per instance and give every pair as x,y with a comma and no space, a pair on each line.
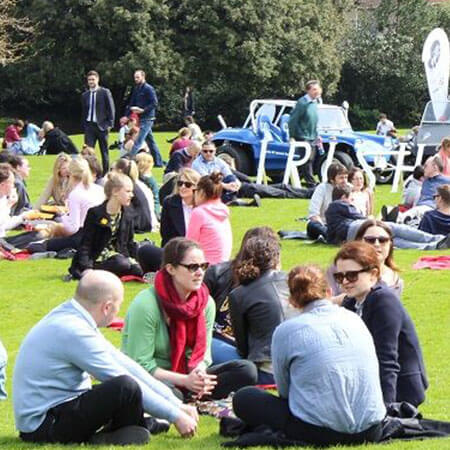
436,58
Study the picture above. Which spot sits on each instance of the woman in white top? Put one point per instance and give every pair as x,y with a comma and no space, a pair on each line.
84,194
362,194
196,132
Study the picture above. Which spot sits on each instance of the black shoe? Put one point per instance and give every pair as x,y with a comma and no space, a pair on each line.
37,247
66,253
444,244
392,215
130,435
156,426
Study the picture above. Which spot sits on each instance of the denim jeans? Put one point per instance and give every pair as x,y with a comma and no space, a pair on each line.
222,352
404,236
3,359
315,229
146,134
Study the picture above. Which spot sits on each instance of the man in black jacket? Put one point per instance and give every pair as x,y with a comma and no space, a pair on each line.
97,116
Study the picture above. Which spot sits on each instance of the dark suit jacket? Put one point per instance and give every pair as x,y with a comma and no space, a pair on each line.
172,219
96,235
104,108
402,370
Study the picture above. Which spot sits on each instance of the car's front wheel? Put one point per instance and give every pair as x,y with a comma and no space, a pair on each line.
339,157
238,156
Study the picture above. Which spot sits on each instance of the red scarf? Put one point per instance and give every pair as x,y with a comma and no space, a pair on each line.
187,322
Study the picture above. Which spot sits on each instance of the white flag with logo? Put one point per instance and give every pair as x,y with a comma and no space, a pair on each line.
436,58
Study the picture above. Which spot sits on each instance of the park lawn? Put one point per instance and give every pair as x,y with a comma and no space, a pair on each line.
29,289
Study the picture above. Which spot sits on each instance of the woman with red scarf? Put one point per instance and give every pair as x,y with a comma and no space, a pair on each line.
168,328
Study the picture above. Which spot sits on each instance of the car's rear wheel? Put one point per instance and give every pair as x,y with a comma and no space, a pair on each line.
339,157
239,156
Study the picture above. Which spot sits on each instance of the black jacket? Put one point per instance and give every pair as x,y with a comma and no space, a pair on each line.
256,310
104,108
402,370
56,141
141,210
96,235
219,279
339,216
172,219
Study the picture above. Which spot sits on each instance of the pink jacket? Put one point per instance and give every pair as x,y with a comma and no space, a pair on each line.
445,162
210,227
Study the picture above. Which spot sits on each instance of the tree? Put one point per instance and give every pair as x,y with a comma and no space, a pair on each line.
383,68
236,51
113,37
15,33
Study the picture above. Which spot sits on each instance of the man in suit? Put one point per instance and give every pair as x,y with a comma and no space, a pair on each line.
98,113
143,101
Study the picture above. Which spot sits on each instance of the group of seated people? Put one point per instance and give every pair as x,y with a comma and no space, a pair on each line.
339,206
203,331
26,138
339,345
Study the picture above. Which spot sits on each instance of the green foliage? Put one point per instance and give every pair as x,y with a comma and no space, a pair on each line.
383,67
30,289
230,51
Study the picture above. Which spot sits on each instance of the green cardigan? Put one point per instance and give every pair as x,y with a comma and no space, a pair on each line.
145,337
303,120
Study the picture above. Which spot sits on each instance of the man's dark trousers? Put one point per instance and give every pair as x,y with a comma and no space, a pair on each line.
92,134
115,403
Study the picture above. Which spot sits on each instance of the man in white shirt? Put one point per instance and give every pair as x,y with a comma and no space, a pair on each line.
385,127
54,400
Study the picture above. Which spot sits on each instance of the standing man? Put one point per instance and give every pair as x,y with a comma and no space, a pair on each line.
303,125
143,101
98,113
385,127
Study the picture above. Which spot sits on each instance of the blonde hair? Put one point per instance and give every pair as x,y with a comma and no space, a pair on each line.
47,126
144,163
114,180
80,171
59,161
86,150
184,132
187,174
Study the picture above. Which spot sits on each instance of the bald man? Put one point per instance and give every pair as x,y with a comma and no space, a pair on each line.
54,400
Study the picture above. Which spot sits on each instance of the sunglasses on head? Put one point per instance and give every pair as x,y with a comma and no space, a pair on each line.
194,267
351,275
187,184
373,239
208,151
435,196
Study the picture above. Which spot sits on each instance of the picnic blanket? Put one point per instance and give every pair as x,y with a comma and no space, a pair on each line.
433,262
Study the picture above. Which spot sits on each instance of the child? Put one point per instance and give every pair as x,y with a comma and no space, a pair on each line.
126,124
145,164
362,194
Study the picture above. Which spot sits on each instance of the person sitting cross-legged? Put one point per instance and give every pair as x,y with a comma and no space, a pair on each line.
326,371
168,328
54,400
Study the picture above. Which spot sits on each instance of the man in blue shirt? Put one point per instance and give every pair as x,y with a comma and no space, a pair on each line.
143,101
207,162
54,400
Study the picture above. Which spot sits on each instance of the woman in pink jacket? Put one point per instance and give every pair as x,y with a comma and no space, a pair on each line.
210,224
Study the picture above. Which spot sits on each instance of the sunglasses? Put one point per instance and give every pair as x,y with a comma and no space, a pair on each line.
194,267
435,196
373,239
208,151
187,184
351,275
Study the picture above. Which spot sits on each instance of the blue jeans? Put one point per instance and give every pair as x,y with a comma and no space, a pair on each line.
316,229
222,352
3,359
146,134
404,236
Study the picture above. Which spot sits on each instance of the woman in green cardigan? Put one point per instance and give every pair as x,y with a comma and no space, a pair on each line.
168,328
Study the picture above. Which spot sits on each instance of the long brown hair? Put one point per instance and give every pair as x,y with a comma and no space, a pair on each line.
378,223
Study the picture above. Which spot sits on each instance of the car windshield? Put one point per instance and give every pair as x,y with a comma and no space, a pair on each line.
437,112
333,119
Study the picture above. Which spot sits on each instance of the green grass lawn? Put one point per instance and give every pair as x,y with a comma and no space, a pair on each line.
29,289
